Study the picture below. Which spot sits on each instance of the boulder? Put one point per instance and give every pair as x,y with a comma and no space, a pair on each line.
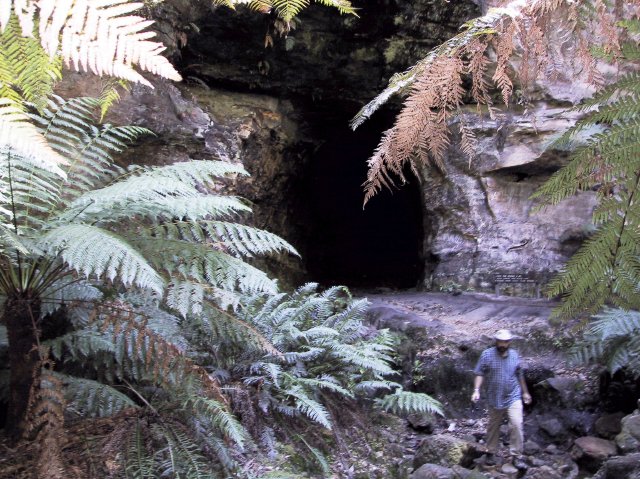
433,471
621,467
554,429
462,473
591,452
609,425
531,448
424,423
629,438
445,450
558,391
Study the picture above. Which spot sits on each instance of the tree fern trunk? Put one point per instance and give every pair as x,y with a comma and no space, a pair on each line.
19,315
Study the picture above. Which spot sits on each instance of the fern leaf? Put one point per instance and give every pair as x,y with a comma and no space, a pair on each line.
405,402
92,398
310,407
139,463
17,133
220,417
115,259
95,36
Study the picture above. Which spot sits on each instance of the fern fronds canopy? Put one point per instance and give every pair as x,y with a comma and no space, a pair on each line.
104,38
434,89
606,269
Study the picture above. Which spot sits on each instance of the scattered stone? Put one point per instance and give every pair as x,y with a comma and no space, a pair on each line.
508,468
553,428
433,471
463,473
590,452
445,450
544,472
424,423
629,438
531,448
609,425
622,467
535,462
551,449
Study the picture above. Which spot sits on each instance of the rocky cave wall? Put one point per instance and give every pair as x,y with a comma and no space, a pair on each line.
277,110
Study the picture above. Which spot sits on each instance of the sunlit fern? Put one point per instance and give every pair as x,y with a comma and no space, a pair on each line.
606,268
613,339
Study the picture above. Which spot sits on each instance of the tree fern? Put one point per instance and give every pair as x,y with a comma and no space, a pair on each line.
528,31
92,37
219,417
88,398
613,338
406,402
288,9
606,268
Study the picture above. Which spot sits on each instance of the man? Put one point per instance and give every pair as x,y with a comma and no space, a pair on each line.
500,370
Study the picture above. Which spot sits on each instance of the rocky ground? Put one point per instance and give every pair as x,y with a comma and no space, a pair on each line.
573,427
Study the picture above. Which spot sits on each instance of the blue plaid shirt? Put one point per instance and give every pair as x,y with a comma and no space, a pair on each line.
500,377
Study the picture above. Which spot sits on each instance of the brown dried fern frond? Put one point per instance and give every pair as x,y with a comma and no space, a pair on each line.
504,46
477,69
546,37
165,363
420,127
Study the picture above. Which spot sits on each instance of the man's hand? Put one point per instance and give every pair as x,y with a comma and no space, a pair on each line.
475,397
526,398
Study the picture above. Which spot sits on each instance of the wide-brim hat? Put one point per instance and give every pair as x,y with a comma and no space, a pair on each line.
503,335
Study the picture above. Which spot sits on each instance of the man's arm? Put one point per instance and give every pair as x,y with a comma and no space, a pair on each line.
526,397
477,382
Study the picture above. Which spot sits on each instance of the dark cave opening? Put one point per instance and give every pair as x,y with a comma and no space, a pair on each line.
378,246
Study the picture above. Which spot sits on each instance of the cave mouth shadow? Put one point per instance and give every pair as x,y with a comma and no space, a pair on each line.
378,246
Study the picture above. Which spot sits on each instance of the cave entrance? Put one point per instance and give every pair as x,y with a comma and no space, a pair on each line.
381,245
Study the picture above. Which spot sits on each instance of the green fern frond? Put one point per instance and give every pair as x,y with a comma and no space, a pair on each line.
405,402
139,463
92,398
613,339
11,241
17,133
319,458
109,94
343,6
91,38
75,244
245,240
219,416
68,291
287,9
81,345
27,72
324,382
310,407
183,457
201,263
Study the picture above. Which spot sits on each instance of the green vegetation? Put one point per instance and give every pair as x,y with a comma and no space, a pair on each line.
606,269
126,292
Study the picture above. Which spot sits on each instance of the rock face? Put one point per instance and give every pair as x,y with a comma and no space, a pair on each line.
283,112
483,221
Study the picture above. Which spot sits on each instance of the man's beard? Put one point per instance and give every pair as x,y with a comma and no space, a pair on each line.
502,349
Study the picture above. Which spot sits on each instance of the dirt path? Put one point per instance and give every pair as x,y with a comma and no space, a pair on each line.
464,316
